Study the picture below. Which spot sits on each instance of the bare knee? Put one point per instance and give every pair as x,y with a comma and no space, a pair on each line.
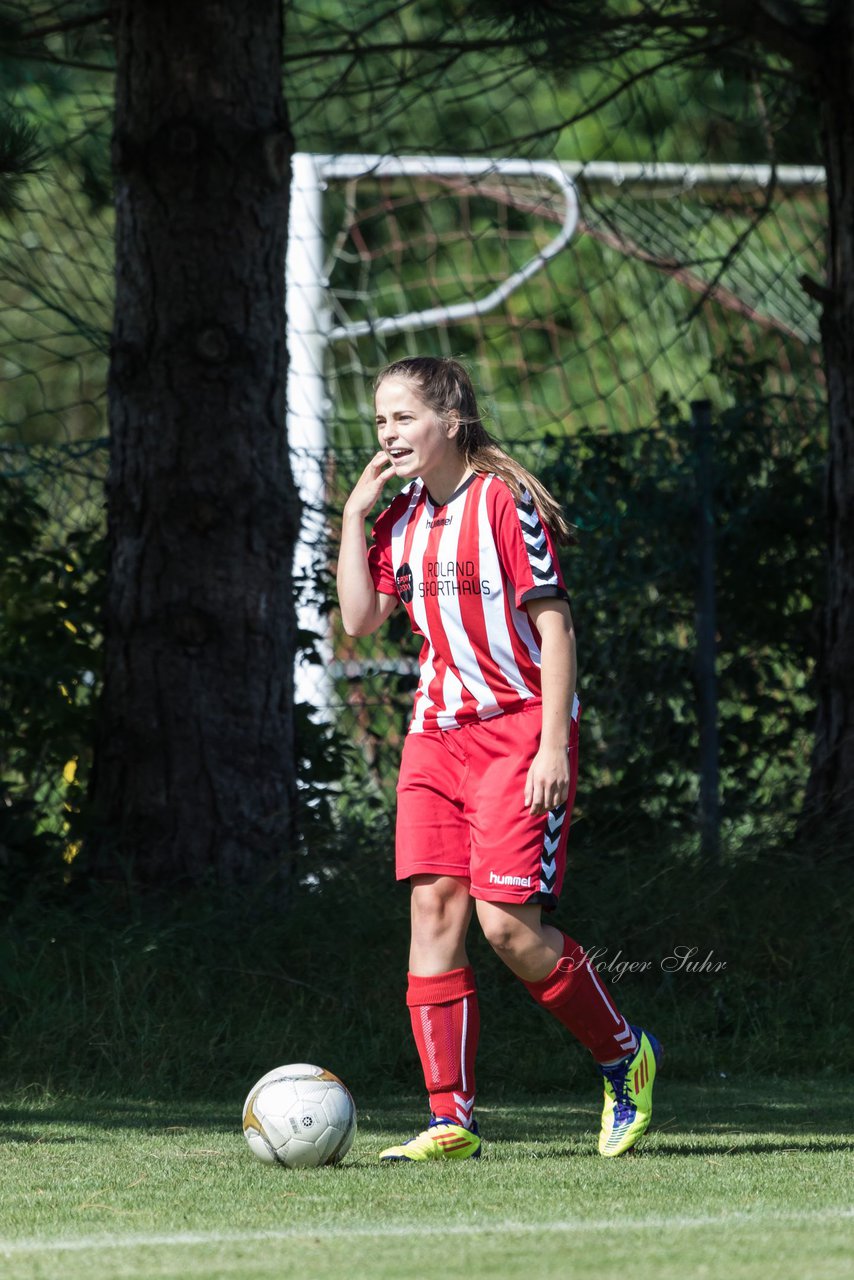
439,903
518,937
441,910
503,930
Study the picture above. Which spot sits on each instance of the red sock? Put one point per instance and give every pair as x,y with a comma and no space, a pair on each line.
446,1025
575,995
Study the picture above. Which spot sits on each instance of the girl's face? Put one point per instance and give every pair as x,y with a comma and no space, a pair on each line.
413,435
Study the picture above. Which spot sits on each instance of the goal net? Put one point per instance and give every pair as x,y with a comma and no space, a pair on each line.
668,270
597,298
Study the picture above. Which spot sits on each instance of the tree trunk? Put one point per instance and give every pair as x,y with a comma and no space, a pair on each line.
194,772
829,804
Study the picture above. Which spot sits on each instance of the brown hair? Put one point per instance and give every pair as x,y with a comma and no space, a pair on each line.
444,384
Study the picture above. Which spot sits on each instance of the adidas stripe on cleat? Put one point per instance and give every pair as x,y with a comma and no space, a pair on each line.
628,1096
441,1140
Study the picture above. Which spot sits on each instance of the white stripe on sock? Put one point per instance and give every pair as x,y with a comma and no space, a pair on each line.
604,995
463,1047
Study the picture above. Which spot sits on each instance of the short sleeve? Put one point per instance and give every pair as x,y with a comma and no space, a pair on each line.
379,555
525,547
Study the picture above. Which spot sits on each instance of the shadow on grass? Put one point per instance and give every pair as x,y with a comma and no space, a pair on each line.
23,1123
800,1108
14,1137
716,1119
751,1149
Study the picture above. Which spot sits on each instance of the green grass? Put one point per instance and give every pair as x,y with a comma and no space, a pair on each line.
737,1180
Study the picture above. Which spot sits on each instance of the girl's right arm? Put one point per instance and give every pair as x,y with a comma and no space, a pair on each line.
363,608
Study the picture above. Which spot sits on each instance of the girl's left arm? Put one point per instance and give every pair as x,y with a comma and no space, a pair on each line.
547,784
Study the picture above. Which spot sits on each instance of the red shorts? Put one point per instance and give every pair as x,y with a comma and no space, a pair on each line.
461,809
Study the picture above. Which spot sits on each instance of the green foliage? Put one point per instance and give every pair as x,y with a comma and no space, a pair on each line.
673,74
21,154
50,657
56,259
516,78
633,581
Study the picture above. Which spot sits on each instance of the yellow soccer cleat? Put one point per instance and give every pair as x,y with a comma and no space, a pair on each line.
628,1096
441,1140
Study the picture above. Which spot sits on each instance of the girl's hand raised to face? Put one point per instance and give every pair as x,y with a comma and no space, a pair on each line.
369,485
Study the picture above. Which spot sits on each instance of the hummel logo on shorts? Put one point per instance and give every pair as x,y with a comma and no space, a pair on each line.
518,882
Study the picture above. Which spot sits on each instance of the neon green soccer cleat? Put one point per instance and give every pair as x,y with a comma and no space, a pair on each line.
628,1096
441,1140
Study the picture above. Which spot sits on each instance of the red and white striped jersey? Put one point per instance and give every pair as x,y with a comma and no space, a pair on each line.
464,571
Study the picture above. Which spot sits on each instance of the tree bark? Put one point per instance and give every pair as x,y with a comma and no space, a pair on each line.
829,803
194,771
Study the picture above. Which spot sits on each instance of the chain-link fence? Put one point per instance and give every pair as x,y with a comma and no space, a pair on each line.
679,280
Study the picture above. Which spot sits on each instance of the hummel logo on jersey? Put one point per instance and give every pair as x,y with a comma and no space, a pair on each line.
518,882
439,521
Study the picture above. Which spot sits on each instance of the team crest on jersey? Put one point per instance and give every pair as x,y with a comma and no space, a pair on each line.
403,579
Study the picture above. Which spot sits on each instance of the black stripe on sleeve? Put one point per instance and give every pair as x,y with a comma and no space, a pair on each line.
544,593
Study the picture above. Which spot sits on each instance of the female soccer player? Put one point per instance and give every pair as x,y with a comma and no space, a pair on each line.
487,778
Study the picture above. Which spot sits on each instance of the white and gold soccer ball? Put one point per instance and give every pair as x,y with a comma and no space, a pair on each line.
300,1116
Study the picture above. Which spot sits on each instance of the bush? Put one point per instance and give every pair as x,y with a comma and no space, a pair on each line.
50,661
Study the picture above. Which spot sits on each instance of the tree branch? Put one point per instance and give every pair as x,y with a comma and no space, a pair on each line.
779,27
56,61
70,24
458,47
712,45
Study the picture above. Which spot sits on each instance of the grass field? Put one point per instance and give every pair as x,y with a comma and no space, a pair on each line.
737,1180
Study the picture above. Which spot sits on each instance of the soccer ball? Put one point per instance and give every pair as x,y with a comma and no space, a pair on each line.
299,1116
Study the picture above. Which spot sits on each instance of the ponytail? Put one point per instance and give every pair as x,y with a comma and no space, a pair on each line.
490,457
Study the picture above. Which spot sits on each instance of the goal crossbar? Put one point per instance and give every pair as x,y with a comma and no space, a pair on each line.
346,168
